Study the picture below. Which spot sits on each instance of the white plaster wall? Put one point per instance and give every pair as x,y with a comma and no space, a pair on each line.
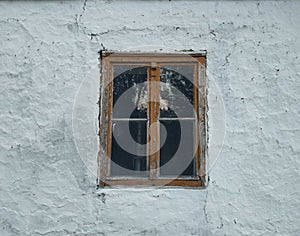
48,48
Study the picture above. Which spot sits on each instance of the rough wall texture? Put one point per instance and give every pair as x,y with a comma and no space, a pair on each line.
48,48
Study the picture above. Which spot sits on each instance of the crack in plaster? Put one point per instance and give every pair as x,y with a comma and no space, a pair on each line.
204,208
78,18
83,9
123,29
226,59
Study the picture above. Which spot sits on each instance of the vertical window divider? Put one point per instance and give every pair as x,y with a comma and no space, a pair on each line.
196,107
153,125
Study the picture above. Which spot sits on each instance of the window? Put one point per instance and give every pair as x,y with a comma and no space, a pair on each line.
152,119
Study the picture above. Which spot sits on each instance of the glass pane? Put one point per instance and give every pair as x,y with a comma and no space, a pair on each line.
177,138
130,92
128,149
177,92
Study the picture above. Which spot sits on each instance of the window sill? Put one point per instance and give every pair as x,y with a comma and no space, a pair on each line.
112,182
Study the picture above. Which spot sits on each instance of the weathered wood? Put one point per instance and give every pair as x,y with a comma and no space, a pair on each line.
196,107
155,182
153,127
104,124
203,117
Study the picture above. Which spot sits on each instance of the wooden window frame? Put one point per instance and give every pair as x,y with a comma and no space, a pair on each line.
153,61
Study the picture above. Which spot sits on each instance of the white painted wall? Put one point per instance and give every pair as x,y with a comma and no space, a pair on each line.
48,48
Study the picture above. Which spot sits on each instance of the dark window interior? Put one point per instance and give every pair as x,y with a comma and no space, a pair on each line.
178,149
134,160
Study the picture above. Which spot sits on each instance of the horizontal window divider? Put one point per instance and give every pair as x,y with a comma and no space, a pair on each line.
129,119
182,118
179,178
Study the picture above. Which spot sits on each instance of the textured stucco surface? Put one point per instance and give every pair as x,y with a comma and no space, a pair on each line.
48,48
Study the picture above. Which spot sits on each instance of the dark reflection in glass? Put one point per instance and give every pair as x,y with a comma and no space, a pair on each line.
177,92
126,152
177,151
128,157
134,100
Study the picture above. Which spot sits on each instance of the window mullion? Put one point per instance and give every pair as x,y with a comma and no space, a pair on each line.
153,125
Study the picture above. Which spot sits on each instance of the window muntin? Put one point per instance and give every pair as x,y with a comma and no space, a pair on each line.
133,76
